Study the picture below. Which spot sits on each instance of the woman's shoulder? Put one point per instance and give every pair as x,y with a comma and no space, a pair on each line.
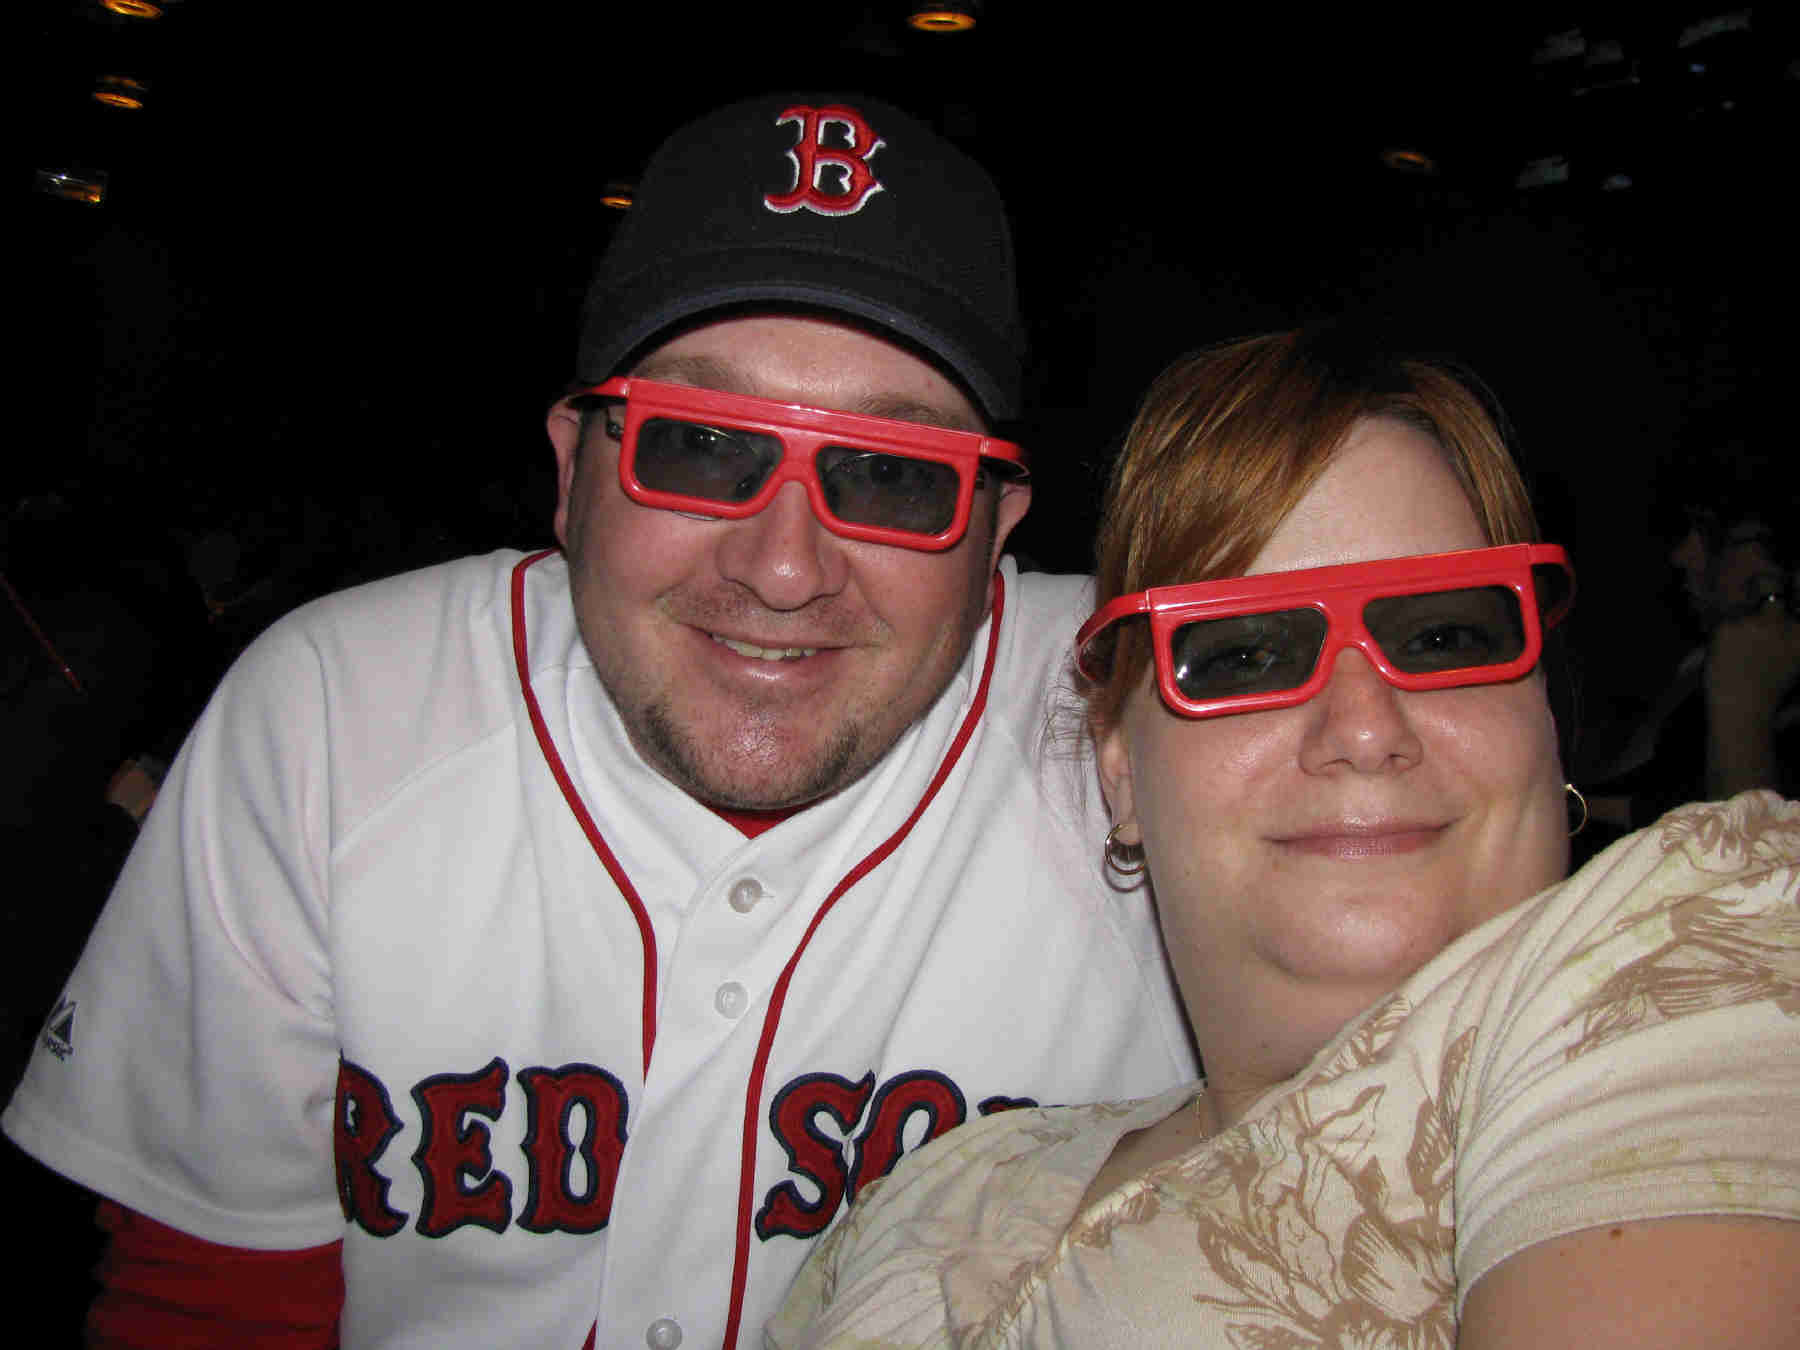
1699,867
1641,1063
1753,833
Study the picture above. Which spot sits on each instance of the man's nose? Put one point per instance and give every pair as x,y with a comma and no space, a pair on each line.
783,554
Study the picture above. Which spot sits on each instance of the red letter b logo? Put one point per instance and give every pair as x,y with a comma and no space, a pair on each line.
831,180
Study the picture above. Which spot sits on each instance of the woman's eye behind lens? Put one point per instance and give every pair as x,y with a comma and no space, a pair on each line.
1448,630
1247,655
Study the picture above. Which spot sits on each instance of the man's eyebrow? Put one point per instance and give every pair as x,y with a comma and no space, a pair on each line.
707,373
701,371
902,409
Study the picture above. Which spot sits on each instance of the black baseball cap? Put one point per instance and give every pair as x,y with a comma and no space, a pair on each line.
822,202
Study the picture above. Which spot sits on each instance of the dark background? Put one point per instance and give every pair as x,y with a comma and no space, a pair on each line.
310,334
336,277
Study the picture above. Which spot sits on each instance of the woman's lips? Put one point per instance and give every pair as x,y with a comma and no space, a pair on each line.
1353,842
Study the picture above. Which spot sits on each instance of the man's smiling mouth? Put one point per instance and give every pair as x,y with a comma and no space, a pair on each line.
756,653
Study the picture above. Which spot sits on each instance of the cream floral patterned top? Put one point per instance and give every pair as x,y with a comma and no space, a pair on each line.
1624,1046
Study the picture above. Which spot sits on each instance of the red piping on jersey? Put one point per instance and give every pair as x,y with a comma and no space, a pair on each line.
559,772
740,1268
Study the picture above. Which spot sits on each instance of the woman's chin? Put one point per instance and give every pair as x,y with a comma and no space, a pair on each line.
1360,940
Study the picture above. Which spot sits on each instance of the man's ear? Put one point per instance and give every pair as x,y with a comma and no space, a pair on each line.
1015,501
564,425
1113,759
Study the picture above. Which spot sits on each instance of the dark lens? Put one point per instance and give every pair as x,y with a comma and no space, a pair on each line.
692,459
1247,653
893,491
1447,630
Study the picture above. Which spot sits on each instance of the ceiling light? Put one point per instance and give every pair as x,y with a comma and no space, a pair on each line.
120,91
134,9
87,186
956,18
618,195
1404,160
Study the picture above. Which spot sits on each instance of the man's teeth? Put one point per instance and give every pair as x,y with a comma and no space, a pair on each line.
765,653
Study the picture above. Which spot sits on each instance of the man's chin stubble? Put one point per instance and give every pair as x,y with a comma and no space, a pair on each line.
678,758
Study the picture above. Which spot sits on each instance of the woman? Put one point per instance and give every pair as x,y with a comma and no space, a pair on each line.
1447,1101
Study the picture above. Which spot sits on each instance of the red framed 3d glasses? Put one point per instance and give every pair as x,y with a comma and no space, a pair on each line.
726,455
1431,621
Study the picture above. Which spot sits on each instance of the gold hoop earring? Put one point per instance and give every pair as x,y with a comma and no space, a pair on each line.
1581,801
1120,856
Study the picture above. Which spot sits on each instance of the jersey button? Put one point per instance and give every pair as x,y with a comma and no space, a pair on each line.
744,894
663,1334
731,1000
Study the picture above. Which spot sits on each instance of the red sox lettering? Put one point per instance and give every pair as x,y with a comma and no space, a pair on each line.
920,1094
577,1114
363,1124
461,1184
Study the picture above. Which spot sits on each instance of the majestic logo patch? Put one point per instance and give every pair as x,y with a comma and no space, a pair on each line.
59,1031
831,179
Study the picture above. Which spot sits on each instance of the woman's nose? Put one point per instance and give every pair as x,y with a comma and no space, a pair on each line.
1359,722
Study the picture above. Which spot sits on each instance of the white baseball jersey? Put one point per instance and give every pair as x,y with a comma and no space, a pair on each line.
416,952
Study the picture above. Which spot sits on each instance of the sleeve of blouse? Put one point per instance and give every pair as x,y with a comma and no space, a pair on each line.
1640,1057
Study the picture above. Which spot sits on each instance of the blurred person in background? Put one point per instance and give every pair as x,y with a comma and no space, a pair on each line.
1727,719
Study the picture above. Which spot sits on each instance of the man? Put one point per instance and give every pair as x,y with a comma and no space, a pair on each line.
572,936
1727,719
